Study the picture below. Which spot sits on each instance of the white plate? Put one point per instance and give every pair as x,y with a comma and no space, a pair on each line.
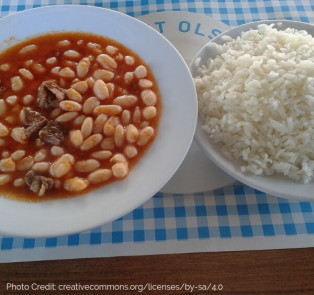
189,32
276,185
155,168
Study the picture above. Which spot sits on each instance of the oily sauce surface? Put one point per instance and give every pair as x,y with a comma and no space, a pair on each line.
48,47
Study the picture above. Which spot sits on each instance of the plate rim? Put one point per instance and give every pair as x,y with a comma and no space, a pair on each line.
49,231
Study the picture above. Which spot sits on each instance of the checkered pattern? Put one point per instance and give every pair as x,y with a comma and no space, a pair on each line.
235,211
231,12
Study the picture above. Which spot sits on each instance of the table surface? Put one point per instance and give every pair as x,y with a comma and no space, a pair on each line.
266,272
288,271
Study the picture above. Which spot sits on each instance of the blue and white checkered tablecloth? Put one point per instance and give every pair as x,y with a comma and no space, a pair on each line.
235,217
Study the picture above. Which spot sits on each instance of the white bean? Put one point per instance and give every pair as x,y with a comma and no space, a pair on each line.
137,115
26,74
91,142
60,167
111,49
129,60
125,100
106,61
140,72
5,154
67,158
28,49
72,54
144,124
40,155
145,135
80,86
75,80
76,184
18,155
110,110
5,178
90,104
70,106
104,75
100,90
83,67
18,134
118,158
110,87
66,117
130,151
7,165
70,64
90,82
87,127
144,83
51,60
100,175
149,97
128,77
10,119
38,68
110,125
78,121
67,73
55,113
62,82
99,123
76,137
18,182
12,99
96,48
5,67
87,165
125,117
25,163
4,131
149,112
17,83
64,43
55,70
74,95
28,99
41,167
120,170
119,135
102,155
107,144
57,151
28,63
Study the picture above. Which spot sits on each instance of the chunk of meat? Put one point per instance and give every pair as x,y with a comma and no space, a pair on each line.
52,133
38,183
34,122
49,95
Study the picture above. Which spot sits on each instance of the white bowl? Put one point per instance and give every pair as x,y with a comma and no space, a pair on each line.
276,185
176,127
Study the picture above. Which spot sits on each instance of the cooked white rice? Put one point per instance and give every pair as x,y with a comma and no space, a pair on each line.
257,100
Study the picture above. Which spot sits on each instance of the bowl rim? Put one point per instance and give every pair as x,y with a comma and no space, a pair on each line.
231,167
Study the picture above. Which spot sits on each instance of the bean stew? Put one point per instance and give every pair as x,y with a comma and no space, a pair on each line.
77,111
